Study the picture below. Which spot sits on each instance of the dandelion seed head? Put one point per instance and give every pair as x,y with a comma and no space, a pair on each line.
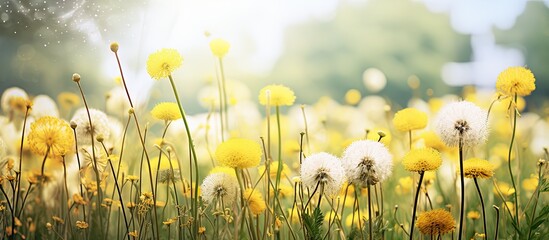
462,120
219,187
323,168
84,131
367,162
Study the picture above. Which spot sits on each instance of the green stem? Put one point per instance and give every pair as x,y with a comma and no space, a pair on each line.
193,152
515,218
462,180
370,236
415,205
224,88
483,211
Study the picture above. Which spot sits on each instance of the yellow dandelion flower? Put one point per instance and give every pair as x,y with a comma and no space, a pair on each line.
432,140
220,169
435,222
516,80
50,135
404,186
133,234
353,96
422,159
255,201
478,168
219,47
169,221
530,184
19,104
285,190
201,230
68,100
162,63
474,215
505,189
238,153
410,119
167,111
279,95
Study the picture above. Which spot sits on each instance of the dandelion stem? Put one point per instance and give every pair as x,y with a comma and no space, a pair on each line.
193,152
497,222
415,205
515,218
370,236
462,179
20,161
540,175
67,192
482,205
224,88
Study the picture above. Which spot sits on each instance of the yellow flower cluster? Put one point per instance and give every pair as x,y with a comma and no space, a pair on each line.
279,95
219,47
516,80
478,168
162,63
422,159
409,119
50,135
435,222
238,153
167,111
255,201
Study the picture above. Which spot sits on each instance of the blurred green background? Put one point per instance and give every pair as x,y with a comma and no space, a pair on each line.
315,47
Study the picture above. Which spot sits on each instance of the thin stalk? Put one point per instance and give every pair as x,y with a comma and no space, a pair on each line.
142,140
358,211
415,205
537,199
67,192
306,128
515,218
370,236
79,173
20,163
193,152
95,170
224,88
483,210
221,106
462,178
497,222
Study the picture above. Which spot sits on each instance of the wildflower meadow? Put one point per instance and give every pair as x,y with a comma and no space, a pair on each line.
263,166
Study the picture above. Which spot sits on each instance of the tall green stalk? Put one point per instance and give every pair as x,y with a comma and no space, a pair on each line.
415,205
515,218
194,203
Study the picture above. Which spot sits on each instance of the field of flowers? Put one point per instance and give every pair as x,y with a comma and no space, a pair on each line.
261,166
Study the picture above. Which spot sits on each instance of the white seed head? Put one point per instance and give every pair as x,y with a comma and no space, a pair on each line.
367,162
462,120
220,187
323,168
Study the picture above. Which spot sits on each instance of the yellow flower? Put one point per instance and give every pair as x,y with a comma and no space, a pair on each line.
474,215
410,119
435,222
162,63
478,168
255,201
422,159
169,221
68,100
81,225
50,135
432,140
279,95
238,153
19,104
219,47
530,184
404,186
516,80
167,111
505,189
352,97
220,169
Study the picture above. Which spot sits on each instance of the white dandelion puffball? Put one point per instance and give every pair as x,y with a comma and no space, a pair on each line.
9,94
84,132
220,188
322,168
43,105
462,119
367,162
374,79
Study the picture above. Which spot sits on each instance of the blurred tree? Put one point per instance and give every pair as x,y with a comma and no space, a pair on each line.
400,37
44,42
531,35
